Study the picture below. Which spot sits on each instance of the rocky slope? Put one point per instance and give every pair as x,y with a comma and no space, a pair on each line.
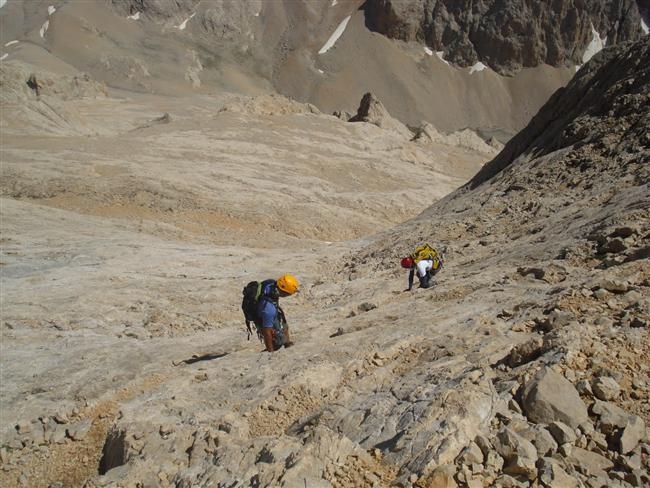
561,215
124,252
507,36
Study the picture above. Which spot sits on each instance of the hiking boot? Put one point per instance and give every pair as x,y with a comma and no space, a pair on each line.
288,344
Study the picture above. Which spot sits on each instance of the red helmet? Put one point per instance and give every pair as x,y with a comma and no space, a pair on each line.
407,262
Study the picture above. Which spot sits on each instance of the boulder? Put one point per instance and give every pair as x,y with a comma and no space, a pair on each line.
472,454
610,416
605,388
525,352
613,286
633,432
371,110
541,438
519,453
79,430
552,474
562,433
589,463
549,397
556,320
442,477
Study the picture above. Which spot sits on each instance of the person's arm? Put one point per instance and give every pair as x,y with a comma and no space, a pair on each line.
411,275
248,327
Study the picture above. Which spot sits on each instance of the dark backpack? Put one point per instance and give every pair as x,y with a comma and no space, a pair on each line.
251,295
250,299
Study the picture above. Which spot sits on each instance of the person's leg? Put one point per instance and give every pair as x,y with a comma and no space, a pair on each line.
267,333
287,337
423,268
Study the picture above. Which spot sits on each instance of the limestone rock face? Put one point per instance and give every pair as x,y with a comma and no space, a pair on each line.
506,35
549,397
371,110
601,102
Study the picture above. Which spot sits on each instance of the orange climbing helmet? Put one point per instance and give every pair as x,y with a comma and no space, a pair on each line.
288,284
407,262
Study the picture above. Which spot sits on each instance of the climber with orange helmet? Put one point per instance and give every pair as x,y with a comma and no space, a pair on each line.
426,261
261,306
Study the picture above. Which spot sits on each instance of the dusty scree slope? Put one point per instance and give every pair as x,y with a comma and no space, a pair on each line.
125,302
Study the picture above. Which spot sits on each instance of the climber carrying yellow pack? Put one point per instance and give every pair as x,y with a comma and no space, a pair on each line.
426,260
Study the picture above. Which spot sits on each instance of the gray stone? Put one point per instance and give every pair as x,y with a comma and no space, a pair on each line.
633,432
562,433
510,444
584,388
589,463
507,481
524,352
443,477
632,461
624,232
611,417
493,461
484,444
599,440
552,474
556,320
61,418
615,246
545,443
366,307
541,439
24,427
472,454
522,466
79,430
605,388
614,286
549,397
601,294
639,478
519,453
638,323
59,435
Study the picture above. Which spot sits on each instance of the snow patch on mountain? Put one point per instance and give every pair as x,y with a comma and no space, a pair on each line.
335,36
477,67
183,24
441,57
44,28
596,45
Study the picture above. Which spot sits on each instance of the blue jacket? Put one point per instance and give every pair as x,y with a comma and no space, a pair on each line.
268,307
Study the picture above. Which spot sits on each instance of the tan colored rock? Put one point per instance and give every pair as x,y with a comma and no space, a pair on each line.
633,432
605,388
552,474
549,397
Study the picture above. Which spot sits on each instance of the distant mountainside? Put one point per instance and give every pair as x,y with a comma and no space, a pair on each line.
507,35
603,113
330,52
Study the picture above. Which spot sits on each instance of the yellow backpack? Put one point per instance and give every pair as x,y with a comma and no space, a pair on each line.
426,251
